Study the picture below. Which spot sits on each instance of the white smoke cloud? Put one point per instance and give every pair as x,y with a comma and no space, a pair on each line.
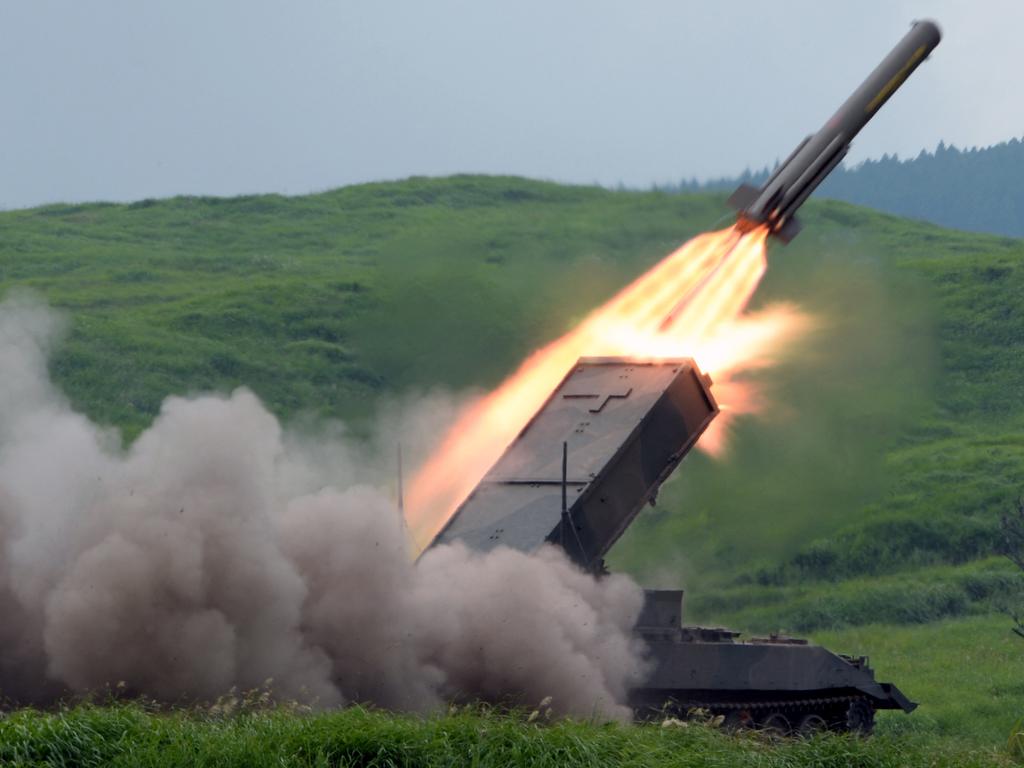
219,550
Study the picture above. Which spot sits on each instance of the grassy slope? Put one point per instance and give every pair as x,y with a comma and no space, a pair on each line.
321,302
871,496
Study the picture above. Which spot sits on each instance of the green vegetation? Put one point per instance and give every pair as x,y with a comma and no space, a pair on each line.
968,675
862,508
321,303
915,597
128,735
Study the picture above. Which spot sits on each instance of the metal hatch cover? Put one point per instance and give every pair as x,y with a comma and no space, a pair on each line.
627,424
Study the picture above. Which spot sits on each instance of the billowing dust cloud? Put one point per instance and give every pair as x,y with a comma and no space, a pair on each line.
218,550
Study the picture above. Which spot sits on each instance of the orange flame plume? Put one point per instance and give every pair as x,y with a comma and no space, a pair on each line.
690,304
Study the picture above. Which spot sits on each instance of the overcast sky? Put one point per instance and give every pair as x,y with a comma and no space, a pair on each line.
125,99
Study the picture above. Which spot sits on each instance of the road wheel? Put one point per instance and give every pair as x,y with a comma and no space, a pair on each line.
738,719
776,724
811,724
860,717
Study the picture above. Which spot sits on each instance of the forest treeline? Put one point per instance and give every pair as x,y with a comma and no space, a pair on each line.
974,189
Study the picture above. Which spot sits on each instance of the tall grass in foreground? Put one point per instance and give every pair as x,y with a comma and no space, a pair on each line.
127,734
966,674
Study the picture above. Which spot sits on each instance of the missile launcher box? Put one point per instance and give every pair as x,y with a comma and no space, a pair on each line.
624,426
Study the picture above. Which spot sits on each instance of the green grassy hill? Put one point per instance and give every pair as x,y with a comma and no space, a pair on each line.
861,509
322,302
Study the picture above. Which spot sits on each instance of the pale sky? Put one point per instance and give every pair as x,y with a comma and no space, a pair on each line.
125,99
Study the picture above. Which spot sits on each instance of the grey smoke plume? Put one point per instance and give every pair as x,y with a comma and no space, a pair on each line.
218,550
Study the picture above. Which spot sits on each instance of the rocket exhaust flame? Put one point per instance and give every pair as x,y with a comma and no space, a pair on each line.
690,304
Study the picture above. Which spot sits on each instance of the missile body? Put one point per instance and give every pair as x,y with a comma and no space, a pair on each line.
793,181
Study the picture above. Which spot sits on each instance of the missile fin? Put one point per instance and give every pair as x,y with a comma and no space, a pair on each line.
744,196
789,230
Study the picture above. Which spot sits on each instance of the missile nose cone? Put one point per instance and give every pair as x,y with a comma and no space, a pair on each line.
929,26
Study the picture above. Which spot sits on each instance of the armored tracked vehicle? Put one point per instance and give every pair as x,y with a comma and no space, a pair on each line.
578,474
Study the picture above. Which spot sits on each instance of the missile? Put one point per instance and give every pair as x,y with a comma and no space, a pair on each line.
775,203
